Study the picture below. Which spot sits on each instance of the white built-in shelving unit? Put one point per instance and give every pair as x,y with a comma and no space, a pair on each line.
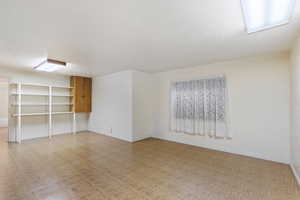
40,100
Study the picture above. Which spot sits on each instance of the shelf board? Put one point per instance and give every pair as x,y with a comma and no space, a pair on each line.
41,85
36,94
62,87
30,114
60,113
39,114
62,95
29,84
43,104
30,94
31,104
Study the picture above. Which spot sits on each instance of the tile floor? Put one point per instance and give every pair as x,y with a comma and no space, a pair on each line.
91,166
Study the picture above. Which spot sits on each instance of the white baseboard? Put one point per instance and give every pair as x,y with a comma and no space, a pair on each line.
139,138
142,138
248,154
297,176
3,122
110,135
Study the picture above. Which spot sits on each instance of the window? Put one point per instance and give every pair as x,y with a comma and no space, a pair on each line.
264,14
199,107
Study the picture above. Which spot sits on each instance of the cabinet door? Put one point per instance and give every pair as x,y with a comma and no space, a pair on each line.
79,105
82,93
86,97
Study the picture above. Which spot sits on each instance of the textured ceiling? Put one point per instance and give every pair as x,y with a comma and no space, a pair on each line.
103,36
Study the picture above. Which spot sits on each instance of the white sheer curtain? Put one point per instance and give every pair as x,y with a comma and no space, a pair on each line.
199,107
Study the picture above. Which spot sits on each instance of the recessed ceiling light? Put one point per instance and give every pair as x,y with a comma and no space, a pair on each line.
50,65
263,14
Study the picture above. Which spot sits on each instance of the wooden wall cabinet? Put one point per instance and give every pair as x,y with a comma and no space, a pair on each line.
82,94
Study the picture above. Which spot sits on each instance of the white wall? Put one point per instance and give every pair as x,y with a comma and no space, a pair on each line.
258,91
37,126
3,102
258,88
143,104
295,109
123,105
112,105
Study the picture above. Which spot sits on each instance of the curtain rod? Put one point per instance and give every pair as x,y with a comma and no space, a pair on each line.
200,78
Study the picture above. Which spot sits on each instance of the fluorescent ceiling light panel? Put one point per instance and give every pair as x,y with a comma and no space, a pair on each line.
50,65
264,14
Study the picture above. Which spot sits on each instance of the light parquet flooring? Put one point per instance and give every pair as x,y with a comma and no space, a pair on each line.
90,166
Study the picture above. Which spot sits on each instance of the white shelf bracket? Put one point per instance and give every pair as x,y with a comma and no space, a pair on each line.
74,123
50,112
19,132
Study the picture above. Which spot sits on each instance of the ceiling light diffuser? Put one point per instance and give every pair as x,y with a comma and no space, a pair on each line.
50,65
263,14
